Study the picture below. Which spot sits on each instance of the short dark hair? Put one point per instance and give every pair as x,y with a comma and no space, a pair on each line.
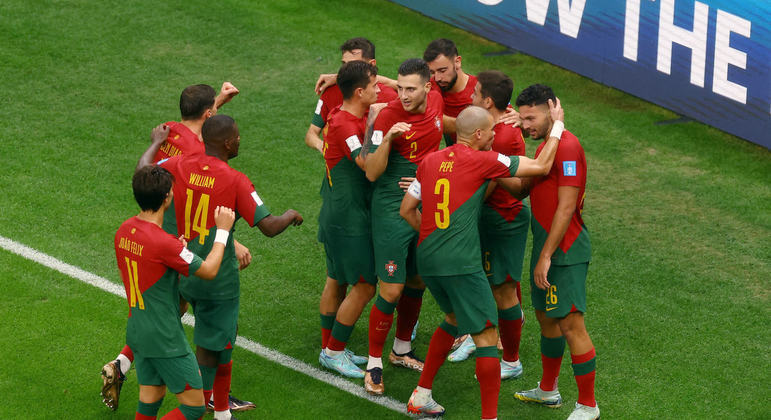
441,46
497,86
415,66
366,46
195,100
354,75
535,95
218,129
151,185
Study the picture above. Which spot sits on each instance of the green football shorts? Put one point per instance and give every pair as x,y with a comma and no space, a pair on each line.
503,245
350,258
394,241
468,296
567,292
216,322
174,372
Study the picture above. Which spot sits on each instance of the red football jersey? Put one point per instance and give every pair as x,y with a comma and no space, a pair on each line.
508,141
424,135
569,169
180,141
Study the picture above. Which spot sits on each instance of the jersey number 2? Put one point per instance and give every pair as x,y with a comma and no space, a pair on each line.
200,217
135,296
442,214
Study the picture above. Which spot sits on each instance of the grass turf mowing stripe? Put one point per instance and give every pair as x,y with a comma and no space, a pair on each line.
243,342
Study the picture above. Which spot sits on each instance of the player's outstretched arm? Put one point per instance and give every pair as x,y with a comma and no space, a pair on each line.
227,92
541,165
376,163
567,197
386,81
157,137
224,219
409,209
273,225
313,138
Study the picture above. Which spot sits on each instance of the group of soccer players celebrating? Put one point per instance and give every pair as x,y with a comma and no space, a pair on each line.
399,214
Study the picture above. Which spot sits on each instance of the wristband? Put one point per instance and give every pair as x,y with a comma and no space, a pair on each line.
557,129
222,236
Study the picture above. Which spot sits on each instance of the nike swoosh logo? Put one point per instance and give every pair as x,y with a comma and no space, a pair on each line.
549,309
410,135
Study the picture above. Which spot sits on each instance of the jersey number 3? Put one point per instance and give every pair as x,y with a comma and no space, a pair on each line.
200,217
442,214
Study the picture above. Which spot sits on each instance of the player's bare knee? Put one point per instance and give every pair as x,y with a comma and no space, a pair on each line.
415,282
450,319
391,291
206,357
485,338
505,295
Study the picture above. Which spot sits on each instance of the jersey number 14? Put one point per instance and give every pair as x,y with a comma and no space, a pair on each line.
199,218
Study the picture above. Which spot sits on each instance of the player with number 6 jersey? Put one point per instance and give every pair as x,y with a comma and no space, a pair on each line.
451,185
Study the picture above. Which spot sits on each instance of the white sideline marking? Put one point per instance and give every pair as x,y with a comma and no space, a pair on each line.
243,342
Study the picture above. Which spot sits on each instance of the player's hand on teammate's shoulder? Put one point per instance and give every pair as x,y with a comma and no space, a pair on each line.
510,117
224,217
182,239
324,81
397,130
297,220
159,133
556,111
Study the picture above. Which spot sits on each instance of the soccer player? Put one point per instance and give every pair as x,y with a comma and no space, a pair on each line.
451,184
149,260
354,49
448,77
196,104
344,221
502,228
559,262
203,182
404,132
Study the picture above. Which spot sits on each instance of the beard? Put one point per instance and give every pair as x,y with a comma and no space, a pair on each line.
450,84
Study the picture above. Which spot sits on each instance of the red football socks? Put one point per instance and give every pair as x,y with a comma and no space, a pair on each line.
584,368
222,386
488,370
438,348
409,311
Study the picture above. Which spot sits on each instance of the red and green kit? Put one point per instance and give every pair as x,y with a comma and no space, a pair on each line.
149,259
505,220
201,183
344,220
393,238
180,141
569,169
452,184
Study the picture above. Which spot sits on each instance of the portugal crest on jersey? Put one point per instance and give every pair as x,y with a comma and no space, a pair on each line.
390,268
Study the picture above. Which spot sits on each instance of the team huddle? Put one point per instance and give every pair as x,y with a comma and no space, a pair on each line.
398,215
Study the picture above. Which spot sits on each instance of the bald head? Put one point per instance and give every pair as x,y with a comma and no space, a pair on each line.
471,119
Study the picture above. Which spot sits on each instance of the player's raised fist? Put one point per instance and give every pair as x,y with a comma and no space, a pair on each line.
224,217
555,110
159,133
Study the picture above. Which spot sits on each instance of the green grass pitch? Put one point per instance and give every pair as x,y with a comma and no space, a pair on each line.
679,214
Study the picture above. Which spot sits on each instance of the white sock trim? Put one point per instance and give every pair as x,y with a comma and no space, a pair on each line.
401,347
374,362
